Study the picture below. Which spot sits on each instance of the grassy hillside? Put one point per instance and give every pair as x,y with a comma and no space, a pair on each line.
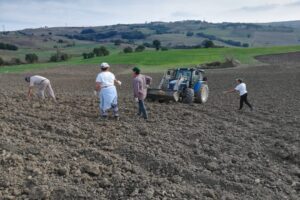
153,61
45,45
179,35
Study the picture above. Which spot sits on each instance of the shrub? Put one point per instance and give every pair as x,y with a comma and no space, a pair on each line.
231,42
117,42
156,44
158,28
54,58
148,45
127,50
88,55
140,48
133,35
64,57
164,49
1,61
209,37
88,31
91,55
189,34
31,58
84,55
59,56
208,44
15,61
102,51
106,35
8,46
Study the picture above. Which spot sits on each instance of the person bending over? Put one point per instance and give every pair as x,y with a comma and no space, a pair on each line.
43,84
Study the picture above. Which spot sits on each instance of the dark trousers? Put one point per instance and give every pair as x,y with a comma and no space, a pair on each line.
244,99
142,109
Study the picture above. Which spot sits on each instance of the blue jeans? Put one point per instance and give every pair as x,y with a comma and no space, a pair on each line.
142,109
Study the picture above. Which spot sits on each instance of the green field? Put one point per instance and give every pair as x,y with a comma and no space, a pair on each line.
44,54
152,61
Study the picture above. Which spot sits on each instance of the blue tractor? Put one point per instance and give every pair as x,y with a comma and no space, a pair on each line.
187,85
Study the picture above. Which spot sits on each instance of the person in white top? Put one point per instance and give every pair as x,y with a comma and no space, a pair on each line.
42,83
106,91
242,89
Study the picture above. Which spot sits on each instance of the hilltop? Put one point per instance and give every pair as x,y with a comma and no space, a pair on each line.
180,35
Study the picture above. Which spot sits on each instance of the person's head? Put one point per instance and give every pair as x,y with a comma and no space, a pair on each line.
27,79
239,80
136,71
104,66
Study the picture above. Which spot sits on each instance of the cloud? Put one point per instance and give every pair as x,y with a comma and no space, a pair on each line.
183,14
292,4
260,8
37,13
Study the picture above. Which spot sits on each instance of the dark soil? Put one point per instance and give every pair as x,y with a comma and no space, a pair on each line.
198,151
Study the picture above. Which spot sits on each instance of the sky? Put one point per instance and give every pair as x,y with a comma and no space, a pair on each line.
21,14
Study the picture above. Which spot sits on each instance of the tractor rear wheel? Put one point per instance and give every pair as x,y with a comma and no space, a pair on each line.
202,95
188,96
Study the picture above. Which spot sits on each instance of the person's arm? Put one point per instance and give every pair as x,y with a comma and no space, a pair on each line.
29,94
137,85
118,82
148,80
141,87
233,89
98,86
229,91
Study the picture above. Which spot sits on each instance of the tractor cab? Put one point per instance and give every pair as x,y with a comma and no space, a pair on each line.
184,84
184,77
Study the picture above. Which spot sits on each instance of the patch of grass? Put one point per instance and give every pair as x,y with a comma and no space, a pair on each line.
152,61
30,67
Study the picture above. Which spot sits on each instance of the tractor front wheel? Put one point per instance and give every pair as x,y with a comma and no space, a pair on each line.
202,95
188,96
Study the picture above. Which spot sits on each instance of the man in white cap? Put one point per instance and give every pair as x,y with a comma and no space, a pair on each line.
43,85
107,92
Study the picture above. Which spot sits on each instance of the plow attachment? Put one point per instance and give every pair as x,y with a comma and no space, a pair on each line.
161,95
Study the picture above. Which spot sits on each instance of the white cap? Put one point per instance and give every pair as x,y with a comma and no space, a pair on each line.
104,65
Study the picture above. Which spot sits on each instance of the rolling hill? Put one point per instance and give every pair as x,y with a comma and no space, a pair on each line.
179,35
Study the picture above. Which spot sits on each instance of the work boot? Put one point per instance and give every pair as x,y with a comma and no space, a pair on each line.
117,118
104,118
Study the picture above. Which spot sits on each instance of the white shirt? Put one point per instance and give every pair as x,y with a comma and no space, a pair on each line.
106,79
241,88
36,80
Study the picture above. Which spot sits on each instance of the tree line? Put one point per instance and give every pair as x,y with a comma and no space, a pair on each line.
6,46
229,42
33,58
103,51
